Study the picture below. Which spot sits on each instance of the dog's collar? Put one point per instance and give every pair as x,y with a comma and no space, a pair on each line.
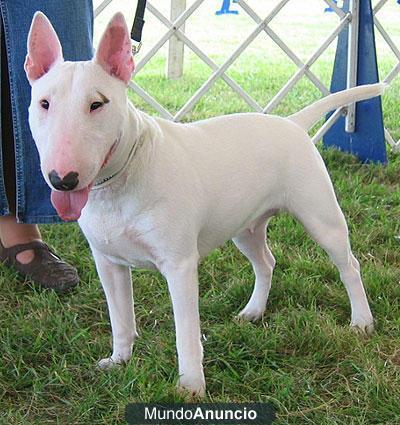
107,180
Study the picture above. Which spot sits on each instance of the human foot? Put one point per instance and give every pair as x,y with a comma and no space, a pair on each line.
21,247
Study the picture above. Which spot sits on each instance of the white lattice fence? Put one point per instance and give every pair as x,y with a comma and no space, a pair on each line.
261,24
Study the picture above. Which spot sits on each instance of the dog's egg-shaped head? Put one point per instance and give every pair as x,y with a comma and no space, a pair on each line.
77,109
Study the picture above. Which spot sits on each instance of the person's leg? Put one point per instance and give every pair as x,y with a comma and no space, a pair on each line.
24,193
73,21
12,233
21,245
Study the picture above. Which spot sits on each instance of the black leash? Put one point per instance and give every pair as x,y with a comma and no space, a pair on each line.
137,26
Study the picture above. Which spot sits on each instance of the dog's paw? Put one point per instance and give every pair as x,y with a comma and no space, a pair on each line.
194,387
251,313
363,327
108,363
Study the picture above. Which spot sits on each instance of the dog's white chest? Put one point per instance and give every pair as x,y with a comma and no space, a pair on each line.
119,239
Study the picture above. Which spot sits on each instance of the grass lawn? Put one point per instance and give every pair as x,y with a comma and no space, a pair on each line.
302,356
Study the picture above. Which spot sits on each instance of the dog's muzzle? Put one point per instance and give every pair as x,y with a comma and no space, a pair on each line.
68,182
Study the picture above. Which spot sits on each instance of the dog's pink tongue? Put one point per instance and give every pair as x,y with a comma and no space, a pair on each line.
69,205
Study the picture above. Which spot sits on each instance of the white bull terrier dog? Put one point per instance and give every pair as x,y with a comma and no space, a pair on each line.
152,193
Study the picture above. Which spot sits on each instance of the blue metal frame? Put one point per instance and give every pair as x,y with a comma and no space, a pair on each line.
368,140
225,8
329,9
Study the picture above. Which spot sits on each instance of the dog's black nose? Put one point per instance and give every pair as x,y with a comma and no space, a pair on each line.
69,182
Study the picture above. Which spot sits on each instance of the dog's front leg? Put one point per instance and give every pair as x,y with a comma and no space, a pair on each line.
183,287
117,284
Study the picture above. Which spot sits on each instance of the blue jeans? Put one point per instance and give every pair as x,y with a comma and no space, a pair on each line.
73,22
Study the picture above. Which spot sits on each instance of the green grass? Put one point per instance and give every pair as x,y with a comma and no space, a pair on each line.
302,357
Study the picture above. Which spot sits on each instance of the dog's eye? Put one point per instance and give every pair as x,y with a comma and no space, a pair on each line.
44,104
95,105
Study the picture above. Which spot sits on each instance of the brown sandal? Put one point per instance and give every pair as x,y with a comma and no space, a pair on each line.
46,269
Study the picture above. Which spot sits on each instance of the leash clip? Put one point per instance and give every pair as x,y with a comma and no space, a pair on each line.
136,46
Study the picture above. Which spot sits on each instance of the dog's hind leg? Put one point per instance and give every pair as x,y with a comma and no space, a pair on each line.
253,244
316,208
117,285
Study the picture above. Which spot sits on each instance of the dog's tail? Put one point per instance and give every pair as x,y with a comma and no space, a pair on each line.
308,116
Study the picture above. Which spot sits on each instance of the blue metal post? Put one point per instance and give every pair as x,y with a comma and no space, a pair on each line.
225,8
329,9
368,140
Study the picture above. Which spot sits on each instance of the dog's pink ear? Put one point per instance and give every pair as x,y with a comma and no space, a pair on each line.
114,53
44,48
